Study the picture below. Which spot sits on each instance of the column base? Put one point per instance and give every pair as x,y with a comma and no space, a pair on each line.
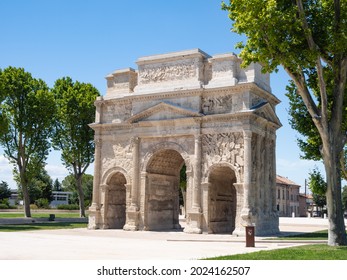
193,223
132,221
94,219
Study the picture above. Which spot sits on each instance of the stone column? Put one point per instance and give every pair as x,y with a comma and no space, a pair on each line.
194,215
94,209
267,163
245,212
132,213
197,175
104,209
259,175
239,224
136,173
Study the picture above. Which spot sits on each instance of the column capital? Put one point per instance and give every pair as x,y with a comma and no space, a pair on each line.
247,134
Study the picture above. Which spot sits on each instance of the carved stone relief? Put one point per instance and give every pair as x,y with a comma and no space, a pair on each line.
117,112
163,73
223,147
217,104
117,154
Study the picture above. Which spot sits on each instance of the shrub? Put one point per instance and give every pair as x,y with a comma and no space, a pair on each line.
4,206
42,203
33,206
68,207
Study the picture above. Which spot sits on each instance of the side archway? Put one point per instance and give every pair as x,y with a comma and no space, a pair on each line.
115,201
222,199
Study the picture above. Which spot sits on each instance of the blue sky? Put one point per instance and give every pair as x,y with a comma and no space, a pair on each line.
87,39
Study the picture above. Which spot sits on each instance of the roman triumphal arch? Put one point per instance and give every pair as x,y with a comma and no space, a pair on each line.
186,109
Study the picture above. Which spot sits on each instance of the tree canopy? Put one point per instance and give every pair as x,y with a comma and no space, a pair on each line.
5,191
27,111
72,135
308,38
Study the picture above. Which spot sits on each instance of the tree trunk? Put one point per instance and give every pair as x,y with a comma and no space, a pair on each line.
80,194
26,197
337,231
26,200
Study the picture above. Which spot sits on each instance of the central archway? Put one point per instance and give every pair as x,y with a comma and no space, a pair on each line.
222,200
162,190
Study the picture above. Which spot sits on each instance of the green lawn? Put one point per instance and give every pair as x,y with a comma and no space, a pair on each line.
317,235
304,252
40,214
41,226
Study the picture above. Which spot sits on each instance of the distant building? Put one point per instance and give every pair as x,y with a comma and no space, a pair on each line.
287,197
59,198
305,204
13,199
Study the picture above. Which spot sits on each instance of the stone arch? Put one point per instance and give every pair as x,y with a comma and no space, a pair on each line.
162,190
223,164
222,199
114,197
109,173
166,146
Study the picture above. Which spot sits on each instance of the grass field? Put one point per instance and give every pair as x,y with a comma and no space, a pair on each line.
41,226
304,252
40,214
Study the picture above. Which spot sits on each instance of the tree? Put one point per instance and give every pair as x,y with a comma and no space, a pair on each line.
41,187
308,38
344,198
5,191
69,185
57,186
72,134
318,187
27,112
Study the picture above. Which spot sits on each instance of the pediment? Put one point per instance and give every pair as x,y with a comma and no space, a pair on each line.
163,111
265,110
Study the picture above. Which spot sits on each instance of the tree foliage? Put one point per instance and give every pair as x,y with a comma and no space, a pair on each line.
317,183
69,185
318,187
5,191
72,135
57,185
344,198
27,111
308,38
40,187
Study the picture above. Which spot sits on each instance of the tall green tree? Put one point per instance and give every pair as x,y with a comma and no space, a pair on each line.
5,191
318,187
57,185
72,135
27,111
308,38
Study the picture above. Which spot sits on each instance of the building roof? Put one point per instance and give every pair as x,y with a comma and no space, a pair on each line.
285,181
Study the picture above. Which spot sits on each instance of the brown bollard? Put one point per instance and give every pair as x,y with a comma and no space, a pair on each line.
250,233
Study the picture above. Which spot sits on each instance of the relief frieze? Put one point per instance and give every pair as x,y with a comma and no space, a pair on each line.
163,73
223,147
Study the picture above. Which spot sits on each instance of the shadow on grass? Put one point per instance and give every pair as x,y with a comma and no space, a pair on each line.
42,226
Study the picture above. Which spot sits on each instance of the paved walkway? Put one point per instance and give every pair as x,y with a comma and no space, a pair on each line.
83,244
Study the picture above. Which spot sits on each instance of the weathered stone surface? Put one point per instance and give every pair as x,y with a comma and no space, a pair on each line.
186,108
